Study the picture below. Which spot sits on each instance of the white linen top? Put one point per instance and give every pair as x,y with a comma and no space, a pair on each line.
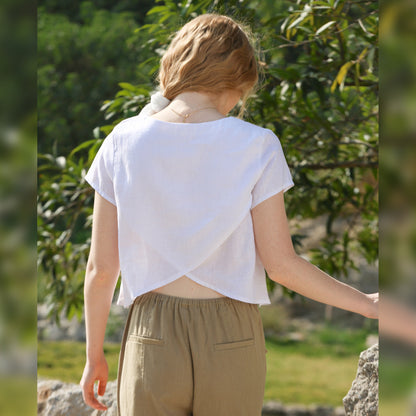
183,193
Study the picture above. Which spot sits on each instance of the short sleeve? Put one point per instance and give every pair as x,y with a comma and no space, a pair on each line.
101,173
275,176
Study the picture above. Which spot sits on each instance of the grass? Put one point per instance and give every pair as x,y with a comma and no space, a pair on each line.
318,370
293,376
65,360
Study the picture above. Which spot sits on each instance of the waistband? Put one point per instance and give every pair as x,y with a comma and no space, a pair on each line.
160,298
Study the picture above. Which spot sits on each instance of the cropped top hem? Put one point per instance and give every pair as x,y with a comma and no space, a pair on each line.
127,302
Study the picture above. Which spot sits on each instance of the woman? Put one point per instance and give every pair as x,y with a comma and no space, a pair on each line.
189,203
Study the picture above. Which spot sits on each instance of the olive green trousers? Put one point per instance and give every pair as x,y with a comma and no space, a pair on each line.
191,357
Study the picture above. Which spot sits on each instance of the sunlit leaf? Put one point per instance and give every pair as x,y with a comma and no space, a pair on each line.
341,75
324,27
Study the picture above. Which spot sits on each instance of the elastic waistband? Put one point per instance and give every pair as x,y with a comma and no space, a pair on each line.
162,298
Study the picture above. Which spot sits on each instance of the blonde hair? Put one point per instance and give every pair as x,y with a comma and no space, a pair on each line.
211,53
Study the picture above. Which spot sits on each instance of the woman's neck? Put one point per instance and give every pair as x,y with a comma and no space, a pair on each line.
191,107
191,100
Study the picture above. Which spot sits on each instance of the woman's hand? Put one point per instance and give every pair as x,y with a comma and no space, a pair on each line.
97,371
373,306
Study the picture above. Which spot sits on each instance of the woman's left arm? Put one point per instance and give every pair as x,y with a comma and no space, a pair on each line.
284,266
100,280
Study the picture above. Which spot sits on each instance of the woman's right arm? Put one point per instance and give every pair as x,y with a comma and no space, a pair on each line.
284,266
100,280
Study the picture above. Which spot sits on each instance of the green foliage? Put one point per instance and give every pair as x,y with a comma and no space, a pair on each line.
320,97
79,11
64,212
319,94
79,66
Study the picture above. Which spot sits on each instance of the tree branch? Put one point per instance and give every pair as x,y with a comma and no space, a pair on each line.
344,164
292,43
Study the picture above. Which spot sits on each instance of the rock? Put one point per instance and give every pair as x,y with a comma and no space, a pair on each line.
362,399
56,398
273,409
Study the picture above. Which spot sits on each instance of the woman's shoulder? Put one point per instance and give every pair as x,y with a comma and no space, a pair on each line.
128,124
254,129
233,126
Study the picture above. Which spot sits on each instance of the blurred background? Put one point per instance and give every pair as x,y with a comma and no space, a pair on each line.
398,207
17,208
96,65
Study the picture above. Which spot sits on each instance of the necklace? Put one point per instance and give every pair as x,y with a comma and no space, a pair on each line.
186,115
